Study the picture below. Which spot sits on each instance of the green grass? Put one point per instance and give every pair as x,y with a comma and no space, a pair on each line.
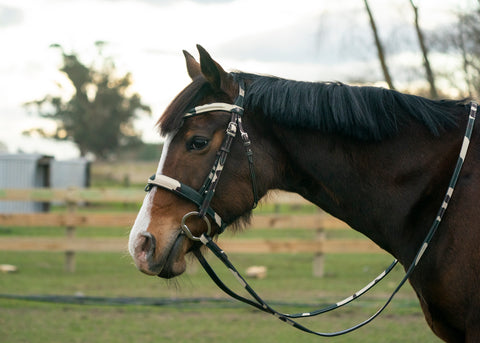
289,282
113,275
73,323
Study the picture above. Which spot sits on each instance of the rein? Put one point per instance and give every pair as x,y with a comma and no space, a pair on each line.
203,197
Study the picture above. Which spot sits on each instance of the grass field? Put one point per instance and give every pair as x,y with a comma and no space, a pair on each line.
215,319
191,308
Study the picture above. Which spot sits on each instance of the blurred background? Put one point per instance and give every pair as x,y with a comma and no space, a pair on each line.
139,43
82,84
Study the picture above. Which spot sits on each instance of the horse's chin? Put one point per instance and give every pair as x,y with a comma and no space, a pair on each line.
174,270
173,262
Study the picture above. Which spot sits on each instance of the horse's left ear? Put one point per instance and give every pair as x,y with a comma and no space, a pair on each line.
193,67
211,70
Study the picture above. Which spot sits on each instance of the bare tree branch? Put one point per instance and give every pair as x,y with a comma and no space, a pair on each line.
423,47
378,43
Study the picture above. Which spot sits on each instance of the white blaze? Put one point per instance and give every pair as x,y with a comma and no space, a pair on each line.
166,146
144,215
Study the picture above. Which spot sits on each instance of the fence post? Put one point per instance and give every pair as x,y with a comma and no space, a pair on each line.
319,257
70,231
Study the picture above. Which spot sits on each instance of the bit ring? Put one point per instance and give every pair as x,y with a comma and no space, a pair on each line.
187,231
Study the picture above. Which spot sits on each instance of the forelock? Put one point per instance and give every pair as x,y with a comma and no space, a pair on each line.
171,120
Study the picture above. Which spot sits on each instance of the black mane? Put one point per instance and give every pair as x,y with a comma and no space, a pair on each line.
366,113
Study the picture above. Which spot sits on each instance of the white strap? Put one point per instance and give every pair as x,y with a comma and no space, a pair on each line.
216,106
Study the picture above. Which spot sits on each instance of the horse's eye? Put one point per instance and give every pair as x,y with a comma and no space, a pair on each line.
197,143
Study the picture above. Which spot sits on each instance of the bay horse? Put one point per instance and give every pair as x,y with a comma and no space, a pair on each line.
378,159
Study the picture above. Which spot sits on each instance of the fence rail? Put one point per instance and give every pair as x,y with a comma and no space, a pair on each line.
72,219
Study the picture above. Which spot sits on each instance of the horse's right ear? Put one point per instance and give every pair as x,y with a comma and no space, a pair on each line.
193,67
212,71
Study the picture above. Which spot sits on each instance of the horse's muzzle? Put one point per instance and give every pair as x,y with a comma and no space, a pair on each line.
145,252
168,264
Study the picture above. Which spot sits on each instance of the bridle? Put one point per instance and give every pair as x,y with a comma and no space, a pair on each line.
203,197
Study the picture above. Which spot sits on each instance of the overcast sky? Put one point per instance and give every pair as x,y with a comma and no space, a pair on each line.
315,40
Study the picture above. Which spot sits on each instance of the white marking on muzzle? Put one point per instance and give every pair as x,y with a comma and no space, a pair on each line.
141,222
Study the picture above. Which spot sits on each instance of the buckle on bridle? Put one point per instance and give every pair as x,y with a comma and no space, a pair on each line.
232,129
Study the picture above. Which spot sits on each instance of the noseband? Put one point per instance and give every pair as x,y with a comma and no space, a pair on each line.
203,197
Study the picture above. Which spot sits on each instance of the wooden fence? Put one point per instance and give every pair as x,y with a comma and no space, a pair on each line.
72,218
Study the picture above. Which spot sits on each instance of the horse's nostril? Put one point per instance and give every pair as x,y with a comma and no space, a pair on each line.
148,245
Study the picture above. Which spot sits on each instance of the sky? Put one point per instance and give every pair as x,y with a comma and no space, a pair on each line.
312,40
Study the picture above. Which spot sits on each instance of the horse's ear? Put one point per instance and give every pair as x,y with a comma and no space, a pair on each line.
193,67
211,70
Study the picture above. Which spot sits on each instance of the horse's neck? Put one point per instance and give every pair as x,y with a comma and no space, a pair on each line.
387,190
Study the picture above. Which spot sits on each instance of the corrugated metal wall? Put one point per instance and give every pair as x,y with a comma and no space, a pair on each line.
23,171
34,170
70,173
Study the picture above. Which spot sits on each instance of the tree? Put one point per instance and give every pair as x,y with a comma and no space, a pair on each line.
98,117
462,40
378,43
468,43
423,47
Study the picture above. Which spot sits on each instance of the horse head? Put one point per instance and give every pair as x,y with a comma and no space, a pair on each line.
193,143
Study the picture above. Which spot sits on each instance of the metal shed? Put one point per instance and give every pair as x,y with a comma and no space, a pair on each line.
24,171
70,173
33,171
